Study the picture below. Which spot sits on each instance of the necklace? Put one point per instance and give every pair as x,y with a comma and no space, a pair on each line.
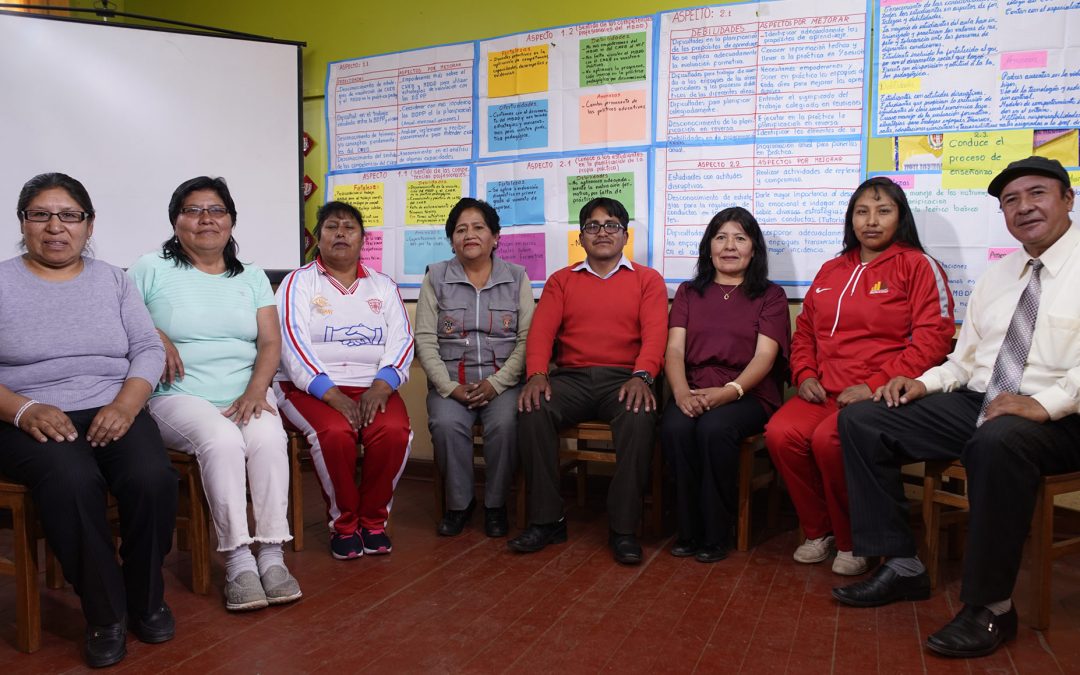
727,293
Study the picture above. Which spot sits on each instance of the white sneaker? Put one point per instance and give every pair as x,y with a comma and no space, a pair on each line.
814,550
848,565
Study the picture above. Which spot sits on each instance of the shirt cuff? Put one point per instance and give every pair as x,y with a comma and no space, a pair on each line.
388,375
320,385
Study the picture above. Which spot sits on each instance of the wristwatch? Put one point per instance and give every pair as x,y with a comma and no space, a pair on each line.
644,375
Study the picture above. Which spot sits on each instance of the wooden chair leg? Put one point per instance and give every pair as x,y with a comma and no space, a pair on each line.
199,535
54,574
1042,540
582,473
296,494
27,598
746,476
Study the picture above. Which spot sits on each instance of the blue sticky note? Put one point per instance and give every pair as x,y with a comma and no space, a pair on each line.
423,247
519,202
518,126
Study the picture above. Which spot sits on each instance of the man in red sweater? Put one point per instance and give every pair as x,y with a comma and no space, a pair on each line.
606,321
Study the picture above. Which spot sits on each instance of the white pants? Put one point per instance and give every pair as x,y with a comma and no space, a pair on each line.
233,459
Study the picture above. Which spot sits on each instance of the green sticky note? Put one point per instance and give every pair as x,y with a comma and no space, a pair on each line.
580,189
612,59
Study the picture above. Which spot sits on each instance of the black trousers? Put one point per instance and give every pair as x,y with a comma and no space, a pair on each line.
1004,458
580,395
704,453
69,482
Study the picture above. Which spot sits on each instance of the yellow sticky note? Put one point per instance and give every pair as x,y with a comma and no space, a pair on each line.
1074,177
518,71
1063,148
366,197
904,85
575,252
428,202
971,160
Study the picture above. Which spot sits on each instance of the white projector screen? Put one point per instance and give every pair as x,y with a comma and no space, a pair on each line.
134,112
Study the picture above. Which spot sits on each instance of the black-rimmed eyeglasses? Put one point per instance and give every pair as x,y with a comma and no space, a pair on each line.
197,211
594,227
40,216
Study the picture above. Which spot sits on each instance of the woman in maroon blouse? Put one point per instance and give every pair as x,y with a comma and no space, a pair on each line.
726,353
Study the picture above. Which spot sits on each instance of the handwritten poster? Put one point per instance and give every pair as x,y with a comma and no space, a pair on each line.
977,65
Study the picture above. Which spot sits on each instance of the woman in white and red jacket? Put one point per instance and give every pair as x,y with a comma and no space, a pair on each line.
882,308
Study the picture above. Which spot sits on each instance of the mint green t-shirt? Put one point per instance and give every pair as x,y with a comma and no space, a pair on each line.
211,320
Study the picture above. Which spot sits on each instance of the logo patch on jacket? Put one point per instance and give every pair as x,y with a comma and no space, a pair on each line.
322,305
375,305
878,287
507,320
354,336
449,325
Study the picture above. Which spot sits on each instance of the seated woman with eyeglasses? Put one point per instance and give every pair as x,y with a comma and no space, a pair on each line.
218,320
726,353
78,359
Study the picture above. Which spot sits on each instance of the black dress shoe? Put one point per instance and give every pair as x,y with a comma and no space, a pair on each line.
625,548
884,586
684,548
495,524
159,626
711,554
454,520
105,645
536,537
975,631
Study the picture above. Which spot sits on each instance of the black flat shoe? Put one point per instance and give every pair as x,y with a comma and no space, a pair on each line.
495,523
884,586
105,645
711,554
453,521
625,548
158,626
683,548
536,537
975,631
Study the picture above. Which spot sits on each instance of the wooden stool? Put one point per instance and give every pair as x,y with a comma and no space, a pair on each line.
193,519
750,481
23,565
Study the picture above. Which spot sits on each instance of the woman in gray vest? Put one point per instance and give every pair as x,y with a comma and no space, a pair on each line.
471,322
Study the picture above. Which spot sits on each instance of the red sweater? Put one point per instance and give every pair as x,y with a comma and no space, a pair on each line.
620,321
865,324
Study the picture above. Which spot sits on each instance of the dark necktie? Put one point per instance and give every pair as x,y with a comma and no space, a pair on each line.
1009,366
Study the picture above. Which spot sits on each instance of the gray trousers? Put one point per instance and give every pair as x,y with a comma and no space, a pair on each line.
451,425
580,395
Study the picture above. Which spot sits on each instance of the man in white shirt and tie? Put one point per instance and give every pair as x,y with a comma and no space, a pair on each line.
1005,403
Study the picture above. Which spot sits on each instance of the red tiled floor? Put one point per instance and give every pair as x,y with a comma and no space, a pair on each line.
467,604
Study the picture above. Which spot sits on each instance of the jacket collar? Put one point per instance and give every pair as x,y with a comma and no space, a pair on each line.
500,272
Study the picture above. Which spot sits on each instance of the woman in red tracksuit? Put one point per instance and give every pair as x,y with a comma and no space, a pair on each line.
882,308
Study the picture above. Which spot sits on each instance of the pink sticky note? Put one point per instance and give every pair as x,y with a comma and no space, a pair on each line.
999,253
1020,60
526,250
613,116
907,181
371,253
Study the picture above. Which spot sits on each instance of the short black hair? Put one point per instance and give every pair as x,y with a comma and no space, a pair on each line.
756,279
491,216
334,209
905,229
614,208
172,250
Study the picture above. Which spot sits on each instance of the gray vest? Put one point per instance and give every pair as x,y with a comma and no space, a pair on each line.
477,329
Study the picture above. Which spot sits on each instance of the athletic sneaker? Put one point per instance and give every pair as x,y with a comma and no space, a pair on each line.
375,541
245,592
815,550
848,565
346,546
280,586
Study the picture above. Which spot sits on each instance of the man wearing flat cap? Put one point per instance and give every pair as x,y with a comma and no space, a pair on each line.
1005,403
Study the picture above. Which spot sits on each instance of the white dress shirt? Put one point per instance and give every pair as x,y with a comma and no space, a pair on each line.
1052,372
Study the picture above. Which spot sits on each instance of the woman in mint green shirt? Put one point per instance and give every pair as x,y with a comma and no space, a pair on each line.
218,321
